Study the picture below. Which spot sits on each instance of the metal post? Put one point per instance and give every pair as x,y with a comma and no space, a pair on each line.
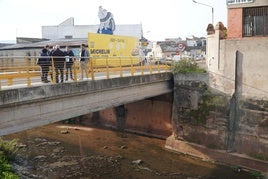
28,72
121,70
132,69
91,68
53,70
107,68
75,70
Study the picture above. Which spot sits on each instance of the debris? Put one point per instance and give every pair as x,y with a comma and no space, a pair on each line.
64,132
137,162
123,147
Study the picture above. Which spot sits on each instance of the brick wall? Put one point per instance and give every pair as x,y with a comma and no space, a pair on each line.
235,23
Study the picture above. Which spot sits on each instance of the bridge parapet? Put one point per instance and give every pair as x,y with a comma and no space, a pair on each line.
24,71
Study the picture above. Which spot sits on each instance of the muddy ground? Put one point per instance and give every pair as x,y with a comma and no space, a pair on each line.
61,151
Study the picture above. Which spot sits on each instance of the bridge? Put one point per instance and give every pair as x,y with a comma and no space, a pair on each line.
24,106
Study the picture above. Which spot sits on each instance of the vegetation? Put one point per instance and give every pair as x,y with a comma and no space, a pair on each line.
186,66
259,156
8,150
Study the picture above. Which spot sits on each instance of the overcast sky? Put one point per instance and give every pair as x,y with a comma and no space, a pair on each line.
160,19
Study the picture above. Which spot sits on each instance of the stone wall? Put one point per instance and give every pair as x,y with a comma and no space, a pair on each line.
215,120
199,115
252,128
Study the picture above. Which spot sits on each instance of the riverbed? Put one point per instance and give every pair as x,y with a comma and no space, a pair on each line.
74,151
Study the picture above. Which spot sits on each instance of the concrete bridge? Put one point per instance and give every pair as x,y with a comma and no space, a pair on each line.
29,107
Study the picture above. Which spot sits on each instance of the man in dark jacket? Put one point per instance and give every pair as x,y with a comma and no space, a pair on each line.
44,62
58,59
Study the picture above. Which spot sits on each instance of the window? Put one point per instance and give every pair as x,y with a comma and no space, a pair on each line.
68,36
238,1
255,21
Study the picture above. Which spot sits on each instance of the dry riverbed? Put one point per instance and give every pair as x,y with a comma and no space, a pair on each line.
59,151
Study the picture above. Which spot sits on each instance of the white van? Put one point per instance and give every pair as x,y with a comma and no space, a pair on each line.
176,58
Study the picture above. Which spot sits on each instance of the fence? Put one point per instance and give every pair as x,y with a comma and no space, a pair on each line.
24,71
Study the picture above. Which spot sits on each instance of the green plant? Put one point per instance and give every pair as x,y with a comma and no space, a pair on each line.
6,171
255,174
186,66
234,167
8,149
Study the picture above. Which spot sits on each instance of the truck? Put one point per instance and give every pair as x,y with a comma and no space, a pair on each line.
113,50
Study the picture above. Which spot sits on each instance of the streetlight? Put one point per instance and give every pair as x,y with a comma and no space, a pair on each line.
208,6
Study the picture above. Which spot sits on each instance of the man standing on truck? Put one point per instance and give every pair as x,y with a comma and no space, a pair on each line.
107,24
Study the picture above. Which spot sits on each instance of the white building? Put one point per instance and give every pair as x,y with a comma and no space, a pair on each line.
67,30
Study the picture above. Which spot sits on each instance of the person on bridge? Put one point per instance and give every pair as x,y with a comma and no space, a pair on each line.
69,61
58,57
44,62
84,59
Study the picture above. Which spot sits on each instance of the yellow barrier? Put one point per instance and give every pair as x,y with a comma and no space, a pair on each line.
24,70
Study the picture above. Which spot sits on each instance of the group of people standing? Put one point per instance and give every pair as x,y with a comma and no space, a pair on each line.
62,60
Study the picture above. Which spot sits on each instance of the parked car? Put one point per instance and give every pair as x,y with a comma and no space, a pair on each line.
166,60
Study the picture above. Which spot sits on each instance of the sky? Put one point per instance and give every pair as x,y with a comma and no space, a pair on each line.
160,19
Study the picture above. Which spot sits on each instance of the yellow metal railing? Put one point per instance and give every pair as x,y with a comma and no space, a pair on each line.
25,70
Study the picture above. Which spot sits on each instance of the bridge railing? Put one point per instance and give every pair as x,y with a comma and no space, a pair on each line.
24,70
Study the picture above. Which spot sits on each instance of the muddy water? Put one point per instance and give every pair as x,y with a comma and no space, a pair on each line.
60,151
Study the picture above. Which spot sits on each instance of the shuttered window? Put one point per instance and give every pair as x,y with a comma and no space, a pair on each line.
255,21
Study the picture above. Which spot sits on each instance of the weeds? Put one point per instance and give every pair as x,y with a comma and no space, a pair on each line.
8,150
186,66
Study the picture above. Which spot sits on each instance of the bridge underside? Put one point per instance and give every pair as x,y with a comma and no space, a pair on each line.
151,117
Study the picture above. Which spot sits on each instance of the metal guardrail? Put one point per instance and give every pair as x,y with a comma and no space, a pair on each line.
17,70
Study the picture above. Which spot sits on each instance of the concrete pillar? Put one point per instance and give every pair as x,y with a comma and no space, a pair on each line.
120,113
